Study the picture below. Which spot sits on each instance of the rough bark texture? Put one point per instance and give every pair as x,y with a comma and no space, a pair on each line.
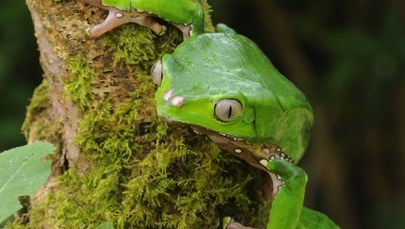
116,161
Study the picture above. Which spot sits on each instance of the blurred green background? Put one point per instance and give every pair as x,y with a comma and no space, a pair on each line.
20,72
348,58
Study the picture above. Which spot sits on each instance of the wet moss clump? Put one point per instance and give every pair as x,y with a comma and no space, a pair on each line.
39,124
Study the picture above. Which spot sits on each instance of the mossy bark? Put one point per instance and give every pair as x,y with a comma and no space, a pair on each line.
117,161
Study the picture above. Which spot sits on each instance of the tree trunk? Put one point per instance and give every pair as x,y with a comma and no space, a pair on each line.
117,161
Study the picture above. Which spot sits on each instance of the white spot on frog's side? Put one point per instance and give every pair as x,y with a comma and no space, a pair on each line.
168,95
178,101
264,162
238,150
119,15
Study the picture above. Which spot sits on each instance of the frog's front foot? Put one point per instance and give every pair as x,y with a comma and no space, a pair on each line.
117,18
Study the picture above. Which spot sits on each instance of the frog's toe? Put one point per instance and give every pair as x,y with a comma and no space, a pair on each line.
285,169
88,31
114,19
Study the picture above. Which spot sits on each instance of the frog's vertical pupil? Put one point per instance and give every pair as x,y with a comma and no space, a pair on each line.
230,111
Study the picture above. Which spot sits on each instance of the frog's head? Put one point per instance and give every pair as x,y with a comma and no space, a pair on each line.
222,85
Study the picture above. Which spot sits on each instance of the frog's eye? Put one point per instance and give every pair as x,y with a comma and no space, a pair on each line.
227,110
157,73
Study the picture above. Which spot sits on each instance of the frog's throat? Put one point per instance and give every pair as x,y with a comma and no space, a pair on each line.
256,155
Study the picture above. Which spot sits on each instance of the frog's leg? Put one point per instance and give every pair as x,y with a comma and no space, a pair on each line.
288,201
289,189
118,17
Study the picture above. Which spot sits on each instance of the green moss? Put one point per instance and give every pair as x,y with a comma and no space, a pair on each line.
39,124
137,45
77,84
109,133
182,192
39,102
49,132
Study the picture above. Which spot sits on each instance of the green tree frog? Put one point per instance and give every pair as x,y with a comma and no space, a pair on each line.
223,86
187,15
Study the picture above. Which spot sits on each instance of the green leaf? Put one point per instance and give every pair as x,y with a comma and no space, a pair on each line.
22,171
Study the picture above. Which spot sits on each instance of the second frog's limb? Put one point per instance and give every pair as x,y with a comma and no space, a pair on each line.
187,15
117,17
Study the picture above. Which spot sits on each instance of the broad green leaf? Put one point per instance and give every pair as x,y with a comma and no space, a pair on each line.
22,171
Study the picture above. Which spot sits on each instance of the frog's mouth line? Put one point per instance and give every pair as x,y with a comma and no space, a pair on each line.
256,155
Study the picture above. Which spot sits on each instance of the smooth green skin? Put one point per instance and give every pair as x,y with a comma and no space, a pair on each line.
179,11
288,202
214,66
287,209
210,67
